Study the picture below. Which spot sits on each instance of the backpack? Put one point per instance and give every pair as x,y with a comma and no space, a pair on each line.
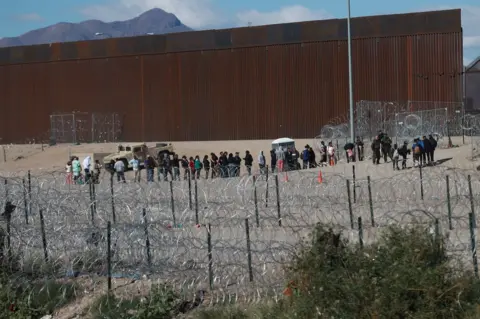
417,149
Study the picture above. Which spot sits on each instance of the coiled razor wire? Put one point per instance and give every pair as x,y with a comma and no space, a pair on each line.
179,244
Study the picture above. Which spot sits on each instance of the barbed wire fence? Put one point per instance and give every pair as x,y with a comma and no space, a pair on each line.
231,237
402,121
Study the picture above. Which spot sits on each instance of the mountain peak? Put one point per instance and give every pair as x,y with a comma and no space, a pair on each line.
154,21
153,12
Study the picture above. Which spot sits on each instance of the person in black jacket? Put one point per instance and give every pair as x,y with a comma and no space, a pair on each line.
206,165
5,218
376,145
214,165
248,162
186,168
176,167
403,152
231,165
223,161
427,150
312,156
360,146
237,161
273,160
150,166
433,143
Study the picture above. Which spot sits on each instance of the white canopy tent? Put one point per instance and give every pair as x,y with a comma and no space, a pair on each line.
283,143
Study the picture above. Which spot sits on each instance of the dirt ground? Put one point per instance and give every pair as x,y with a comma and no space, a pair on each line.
38,158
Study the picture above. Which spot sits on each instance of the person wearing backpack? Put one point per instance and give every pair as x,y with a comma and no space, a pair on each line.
395,156
417,152
422,149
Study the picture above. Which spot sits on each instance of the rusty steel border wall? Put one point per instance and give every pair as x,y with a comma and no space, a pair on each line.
246,83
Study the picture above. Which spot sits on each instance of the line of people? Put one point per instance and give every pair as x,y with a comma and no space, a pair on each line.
171,166
423,151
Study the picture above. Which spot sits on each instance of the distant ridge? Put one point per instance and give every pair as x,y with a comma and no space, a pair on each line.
155,21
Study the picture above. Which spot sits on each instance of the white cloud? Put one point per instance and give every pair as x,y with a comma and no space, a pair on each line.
471,26
471,41
196,14
29,17
200,14
283,15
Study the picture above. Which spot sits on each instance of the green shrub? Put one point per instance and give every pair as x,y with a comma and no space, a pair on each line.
405,274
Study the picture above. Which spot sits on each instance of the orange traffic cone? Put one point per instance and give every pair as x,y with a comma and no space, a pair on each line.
286,177
320,177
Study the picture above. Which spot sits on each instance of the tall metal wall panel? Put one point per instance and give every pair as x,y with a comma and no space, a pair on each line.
237,93
418,23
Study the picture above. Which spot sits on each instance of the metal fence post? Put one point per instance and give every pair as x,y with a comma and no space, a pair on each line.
257,219
249,251
25,202
189,189
360,232
473,242
29,179
196,202
354,184
370,201
210,257
109,256
44,236
172,201
472,204
112,198
449,205
350,205
421,180
147,239
278,201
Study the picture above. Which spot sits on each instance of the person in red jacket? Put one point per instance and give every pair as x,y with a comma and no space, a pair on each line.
191,165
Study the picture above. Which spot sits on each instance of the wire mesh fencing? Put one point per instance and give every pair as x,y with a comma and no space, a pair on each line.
82,127
230,237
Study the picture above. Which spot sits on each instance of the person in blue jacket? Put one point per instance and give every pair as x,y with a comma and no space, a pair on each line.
422,148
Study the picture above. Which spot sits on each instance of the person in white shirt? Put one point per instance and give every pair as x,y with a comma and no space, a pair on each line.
87,165
331,154
119,168
68,170
136,169
261,162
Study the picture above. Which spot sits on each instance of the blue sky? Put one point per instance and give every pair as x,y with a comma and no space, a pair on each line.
20,16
